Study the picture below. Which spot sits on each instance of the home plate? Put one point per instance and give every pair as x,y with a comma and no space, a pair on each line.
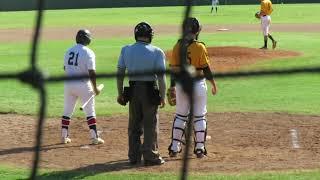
85,147
208,137
223,29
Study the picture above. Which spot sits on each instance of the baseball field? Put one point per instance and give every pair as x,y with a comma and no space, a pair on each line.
258,127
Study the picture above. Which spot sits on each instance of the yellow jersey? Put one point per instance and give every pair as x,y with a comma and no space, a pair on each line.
266,7
197,55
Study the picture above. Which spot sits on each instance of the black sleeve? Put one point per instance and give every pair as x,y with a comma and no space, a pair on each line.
172,80
208,74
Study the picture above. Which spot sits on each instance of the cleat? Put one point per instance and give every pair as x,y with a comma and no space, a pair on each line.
274,44
66,140
263,47
155,162
97,141
173,154
135,162
200,154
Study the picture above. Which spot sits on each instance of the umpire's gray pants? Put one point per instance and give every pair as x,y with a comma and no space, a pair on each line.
143,119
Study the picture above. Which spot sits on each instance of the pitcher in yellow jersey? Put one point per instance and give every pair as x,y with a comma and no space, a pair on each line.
197,57
265,16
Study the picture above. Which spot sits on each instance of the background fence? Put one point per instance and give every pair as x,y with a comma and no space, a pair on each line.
18,5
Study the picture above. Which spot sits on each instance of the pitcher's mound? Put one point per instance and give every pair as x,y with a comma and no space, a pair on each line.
231,58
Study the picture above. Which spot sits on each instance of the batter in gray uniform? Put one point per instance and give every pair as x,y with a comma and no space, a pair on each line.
145,94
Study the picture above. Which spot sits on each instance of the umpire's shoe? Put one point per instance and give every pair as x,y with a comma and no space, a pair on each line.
154,162
97,141
65,140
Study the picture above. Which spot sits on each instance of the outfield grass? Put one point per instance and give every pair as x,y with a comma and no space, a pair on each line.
293,94
236,14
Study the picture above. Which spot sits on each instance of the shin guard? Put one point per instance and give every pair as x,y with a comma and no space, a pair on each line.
200,131
178,128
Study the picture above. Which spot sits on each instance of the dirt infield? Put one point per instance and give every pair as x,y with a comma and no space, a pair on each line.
68,33
239,142
226,59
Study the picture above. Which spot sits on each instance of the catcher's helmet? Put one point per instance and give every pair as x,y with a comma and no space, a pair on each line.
143,29
192,25
83,37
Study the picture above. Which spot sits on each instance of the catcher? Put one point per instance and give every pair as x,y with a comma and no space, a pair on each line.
197,57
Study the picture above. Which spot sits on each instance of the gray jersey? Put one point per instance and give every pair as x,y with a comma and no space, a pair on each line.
141,57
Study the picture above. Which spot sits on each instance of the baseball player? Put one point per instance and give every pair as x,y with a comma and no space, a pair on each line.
214,5
79,60
265,16
198,57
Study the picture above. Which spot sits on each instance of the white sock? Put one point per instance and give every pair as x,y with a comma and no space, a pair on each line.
93,134
64,133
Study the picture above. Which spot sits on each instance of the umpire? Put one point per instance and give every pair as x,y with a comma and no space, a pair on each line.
144,94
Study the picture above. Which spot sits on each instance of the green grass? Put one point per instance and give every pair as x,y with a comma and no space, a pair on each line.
10,173
311,175
293,94
236,14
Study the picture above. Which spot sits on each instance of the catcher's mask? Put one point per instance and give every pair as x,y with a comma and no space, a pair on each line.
143,29
192,25
83,37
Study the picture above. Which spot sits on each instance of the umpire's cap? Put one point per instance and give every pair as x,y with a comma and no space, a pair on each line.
143,29
83,37
192,25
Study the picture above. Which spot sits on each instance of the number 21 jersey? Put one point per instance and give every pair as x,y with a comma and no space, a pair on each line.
78,60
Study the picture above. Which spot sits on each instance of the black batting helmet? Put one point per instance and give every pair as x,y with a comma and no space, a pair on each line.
192,25
143,29
83,37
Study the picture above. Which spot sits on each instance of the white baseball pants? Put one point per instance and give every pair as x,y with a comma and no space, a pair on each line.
265,24
182,112
75,90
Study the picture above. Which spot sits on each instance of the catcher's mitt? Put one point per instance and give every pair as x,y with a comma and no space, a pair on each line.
257,15
171,96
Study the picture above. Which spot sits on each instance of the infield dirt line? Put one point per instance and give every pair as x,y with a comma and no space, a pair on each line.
66,33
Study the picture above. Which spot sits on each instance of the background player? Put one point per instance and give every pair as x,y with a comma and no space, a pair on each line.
265,16
214,4
79,59
198,57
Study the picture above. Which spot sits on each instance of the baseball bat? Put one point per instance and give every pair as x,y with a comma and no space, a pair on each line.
100,87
